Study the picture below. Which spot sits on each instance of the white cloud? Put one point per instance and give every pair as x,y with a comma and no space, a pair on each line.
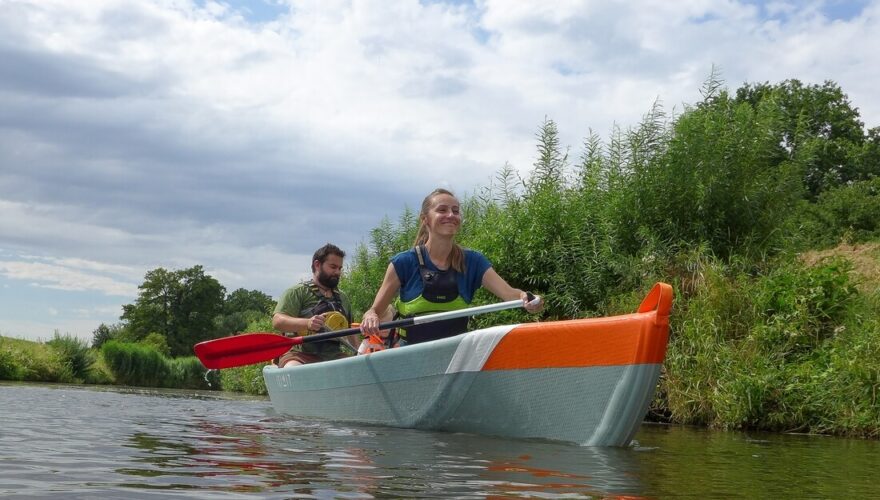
65,277
165,134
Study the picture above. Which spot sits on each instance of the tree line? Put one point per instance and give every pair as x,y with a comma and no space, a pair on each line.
177,309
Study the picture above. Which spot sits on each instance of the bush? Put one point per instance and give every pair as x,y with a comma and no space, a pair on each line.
247,379
75,353
135,364
849,213
33,361
801,306
158,342
9,369
142,365
189,373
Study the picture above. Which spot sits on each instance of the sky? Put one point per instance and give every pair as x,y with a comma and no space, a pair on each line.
243,135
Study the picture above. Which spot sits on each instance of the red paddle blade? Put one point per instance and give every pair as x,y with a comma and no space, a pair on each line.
242,350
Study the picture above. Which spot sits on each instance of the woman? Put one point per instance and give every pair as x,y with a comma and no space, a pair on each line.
437,275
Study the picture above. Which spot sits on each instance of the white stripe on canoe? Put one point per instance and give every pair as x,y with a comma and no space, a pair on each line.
475,348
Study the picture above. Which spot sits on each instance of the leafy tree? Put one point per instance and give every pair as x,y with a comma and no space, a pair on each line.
158,342
243,300
240,308
181,305
820,129
107,332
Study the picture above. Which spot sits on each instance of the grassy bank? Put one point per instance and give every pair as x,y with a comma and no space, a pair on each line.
794,347
66,359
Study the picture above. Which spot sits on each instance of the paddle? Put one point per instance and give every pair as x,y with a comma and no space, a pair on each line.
250,348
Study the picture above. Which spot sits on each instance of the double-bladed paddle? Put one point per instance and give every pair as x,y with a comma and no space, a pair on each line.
250,348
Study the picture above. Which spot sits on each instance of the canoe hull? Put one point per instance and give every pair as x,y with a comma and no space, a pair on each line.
584,381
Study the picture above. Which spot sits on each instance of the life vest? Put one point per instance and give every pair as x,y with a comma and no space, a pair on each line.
338,318
439,294
325,304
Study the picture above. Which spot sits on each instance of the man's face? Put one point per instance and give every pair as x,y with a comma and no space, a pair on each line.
328,273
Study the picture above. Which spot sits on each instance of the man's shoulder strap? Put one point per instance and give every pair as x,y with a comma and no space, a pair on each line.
317,291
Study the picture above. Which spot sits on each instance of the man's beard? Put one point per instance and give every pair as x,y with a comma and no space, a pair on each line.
327,280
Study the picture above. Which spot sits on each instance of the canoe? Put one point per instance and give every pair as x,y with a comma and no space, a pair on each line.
586,381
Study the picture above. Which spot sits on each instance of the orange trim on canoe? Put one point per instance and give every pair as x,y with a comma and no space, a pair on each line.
638,338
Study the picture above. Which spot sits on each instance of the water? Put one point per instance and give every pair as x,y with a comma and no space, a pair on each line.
93,442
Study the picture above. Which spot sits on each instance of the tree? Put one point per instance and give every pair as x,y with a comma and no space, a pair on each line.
100,335
243,300
820,130
181,305
106,332
240,308
158,342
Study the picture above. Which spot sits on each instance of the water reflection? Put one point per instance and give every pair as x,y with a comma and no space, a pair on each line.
306,458
75,442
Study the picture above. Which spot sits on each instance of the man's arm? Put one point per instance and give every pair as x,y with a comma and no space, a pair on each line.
286,322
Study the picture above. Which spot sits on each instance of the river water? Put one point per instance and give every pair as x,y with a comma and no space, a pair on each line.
94,442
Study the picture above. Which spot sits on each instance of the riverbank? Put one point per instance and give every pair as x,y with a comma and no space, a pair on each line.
789,348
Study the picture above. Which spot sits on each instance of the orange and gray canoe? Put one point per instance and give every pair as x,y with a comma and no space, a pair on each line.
587,381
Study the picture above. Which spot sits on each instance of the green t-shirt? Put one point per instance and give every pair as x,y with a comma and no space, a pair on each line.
298,301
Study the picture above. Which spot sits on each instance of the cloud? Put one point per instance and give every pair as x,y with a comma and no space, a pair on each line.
69,274
243,135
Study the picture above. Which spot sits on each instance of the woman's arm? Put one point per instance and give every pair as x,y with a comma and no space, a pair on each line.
501,289
380,311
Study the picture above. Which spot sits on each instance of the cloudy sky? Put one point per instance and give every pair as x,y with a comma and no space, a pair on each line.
242,135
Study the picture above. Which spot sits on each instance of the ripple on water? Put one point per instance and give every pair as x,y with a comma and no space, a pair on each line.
89,442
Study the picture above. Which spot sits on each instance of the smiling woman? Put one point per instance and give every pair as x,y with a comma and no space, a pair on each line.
437,275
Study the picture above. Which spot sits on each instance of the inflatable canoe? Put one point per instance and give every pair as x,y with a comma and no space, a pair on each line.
587,381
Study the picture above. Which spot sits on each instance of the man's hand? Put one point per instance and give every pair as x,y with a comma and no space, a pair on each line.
316,323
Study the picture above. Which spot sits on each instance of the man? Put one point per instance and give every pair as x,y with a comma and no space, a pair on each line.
304,308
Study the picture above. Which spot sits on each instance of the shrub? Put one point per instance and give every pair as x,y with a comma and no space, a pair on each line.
135,364
848,213
76,353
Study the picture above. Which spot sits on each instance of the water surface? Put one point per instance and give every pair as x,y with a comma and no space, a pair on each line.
93,442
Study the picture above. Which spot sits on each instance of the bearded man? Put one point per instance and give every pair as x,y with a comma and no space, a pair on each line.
315,306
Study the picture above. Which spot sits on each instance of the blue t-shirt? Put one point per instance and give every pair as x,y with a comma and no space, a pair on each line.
406,264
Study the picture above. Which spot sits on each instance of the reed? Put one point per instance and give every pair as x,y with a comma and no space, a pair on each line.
142,365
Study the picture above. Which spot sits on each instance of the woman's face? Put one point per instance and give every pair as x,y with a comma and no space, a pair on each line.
444,217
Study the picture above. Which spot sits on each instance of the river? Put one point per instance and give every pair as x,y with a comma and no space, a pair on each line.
64,441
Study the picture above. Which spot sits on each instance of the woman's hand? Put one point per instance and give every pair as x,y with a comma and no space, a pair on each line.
370,323
532,303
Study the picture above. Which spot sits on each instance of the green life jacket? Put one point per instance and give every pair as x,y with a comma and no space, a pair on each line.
439,294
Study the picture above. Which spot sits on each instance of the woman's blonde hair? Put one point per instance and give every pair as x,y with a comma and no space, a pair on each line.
456,257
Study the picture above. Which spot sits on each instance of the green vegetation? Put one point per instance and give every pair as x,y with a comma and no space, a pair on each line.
735,202
178,309
248,379
63,359
143,365
761,208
